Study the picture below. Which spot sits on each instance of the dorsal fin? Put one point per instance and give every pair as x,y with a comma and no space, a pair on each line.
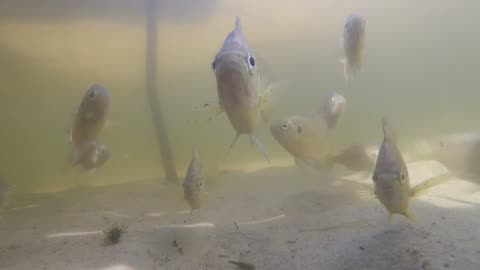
388,132
238,24
195,155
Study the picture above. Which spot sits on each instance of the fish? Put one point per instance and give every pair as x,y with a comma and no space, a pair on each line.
333,109
391,179
238,82
353,44
5,191
88,121
306,137
194,185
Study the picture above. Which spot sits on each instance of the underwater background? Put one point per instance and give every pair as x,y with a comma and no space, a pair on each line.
420,70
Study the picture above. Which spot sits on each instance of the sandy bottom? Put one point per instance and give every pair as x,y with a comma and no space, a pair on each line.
274,218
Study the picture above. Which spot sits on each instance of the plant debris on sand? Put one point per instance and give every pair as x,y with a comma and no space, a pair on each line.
113,233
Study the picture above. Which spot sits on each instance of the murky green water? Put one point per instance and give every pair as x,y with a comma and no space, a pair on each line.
420,70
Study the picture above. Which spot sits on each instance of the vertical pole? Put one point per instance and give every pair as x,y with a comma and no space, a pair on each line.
152,95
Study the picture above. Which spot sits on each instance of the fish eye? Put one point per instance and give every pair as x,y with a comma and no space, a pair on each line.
299,130
251,60
284,126
374,178
251,63
402,176
91,94
213,65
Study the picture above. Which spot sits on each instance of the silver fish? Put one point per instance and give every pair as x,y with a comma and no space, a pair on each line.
305,137
353,44
333,109
194,184
391,179
88,120
390,176
238,81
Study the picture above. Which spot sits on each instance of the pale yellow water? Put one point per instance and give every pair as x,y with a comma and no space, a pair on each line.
420,71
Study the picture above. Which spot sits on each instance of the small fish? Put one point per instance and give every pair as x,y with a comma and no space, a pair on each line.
391,179
195,181
305,137
333,109
353,44
5,191
238,83
88,120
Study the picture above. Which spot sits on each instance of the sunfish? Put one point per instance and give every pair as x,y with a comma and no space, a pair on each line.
305,137
391,180
194,183
238,82
88,121
353,44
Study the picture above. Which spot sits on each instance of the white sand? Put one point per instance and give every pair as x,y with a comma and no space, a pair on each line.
286,219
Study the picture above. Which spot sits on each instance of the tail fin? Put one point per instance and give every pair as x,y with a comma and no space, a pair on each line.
349,70
231,145
255,141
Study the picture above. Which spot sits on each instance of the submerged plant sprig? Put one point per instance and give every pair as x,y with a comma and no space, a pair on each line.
113,234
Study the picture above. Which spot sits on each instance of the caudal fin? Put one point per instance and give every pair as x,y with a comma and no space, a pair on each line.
349,70
255,141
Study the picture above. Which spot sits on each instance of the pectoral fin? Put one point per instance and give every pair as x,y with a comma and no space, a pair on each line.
422,187
255,141
235,139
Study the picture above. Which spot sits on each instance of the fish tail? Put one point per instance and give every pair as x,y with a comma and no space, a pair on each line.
347,70
231,145
255,141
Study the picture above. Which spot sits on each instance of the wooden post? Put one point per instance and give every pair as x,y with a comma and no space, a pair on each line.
152,95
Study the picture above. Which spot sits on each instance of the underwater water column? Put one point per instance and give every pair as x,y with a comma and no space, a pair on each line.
152,95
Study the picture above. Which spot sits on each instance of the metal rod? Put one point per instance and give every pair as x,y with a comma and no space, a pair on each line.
152,95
